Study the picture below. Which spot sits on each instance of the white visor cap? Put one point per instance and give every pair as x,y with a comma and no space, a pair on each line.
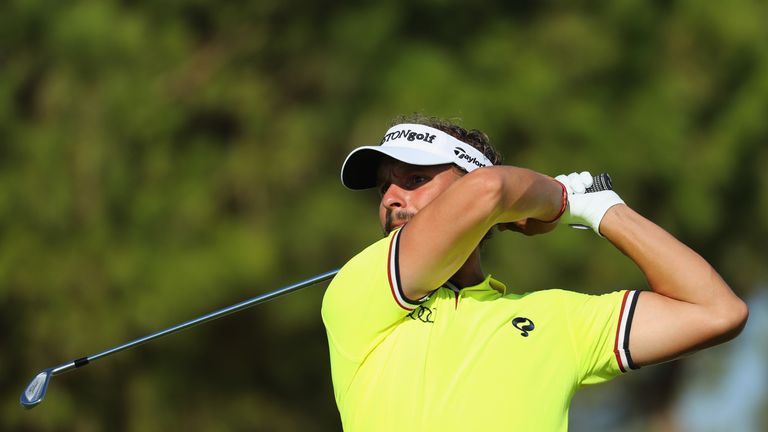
413,144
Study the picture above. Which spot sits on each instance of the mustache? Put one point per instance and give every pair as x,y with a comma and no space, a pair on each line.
396,215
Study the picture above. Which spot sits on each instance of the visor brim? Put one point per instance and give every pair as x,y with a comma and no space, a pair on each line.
360,169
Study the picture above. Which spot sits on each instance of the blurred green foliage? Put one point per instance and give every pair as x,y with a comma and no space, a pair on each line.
159,160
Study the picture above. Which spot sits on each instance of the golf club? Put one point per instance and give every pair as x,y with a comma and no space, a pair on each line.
35,391
600,182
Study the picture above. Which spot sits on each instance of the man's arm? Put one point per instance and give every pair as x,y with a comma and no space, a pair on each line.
691,307
441,237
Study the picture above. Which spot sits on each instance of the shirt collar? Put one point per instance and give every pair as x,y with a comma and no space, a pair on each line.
489,284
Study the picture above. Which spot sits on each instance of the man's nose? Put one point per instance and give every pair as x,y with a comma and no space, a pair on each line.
394,197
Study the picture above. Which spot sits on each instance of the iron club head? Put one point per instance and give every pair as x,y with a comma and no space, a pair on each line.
35,391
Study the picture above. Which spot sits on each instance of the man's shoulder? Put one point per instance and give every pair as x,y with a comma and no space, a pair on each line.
371,254
544,295
375,254
558,293
367,265
555,299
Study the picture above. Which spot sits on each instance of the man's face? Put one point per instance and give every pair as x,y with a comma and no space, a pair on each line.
405,189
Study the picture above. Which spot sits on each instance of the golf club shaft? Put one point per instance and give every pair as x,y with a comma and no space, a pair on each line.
193,322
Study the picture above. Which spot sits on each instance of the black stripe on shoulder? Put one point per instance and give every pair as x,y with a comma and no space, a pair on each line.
627,331
396,270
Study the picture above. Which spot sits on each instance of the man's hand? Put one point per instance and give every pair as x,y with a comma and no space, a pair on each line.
586,209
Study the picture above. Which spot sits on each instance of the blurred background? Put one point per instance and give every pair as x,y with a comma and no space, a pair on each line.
163,159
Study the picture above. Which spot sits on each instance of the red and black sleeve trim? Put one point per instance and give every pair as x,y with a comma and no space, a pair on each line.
621,344
393,274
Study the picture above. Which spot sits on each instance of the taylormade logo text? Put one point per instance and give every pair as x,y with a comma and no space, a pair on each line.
462,154
409,135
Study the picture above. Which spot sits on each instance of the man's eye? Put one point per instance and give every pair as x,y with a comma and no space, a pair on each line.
417,180
383,188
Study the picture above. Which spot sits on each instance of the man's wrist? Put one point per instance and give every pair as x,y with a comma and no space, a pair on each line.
559,201
611,220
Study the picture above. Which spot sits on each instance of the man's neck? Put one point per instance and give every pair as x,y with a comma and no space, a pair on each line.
471,273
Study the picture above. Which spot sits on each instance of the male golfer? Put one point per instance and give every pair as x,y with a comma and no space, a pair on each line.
422,340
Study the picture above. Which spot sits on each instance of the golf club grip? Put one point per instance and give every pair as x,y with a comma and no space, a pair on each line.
600,182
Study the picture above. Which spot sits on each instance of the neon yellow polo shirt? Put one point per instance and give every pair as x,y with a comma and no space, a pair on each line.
474,359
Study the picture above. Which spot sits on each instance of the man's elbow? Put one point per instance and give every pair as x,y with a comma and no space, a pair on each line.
730,319
740,314
501,189
487,188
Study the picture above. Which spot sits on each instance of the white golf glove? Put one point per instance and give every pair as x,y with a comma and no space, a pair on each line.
586,209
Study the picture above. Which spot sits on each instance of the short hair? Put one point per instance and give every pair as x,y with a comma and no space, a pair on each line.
474,137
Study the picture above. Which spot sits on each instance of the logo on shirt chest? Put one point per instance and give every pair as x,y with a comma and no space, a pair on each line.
423,314
523,324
